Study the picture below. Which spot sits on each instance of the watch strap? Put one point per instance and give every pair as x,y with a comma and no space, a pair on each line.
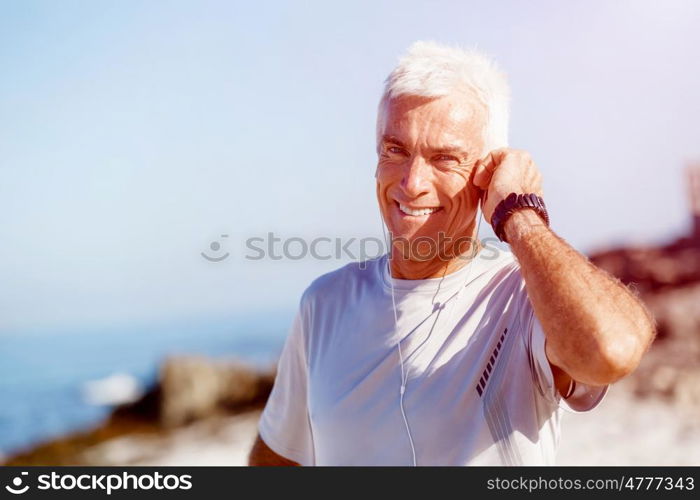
510,204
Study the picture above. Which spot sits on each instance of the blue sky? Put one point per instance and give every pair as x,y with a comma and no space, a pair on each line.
133,134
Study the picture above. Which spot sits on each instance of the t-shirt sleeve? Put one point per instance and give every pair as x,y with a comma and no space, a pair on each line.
284,424
580,397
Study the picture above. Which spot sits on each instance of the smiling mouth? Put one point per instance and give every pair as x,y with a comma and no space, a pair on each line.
417,212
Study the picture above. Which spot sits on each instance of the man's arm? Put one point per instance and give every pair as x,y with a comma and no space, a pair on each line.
262,455
596,329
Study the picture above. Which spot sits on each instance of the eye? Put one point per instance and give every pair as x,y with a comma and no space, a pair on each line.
396,150
446,160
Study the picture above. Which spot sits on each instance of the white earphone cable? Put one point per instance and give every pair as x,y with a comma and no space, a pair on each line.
402,390
404,374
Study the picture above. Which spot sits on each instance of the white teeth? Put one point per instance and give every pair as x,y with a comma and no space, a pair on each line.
422,211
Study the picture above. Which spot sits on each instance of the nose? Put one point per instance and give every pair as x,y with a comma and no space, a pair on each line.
416,178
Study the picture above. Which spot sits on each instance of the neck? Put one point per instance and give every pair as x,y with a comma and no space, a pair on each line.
403,268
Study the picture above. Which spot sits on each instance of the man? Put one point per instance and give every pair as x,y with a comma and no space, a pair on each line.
435,354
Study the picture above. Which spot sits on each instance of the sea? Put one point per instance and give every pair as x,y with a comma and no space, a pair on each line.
44,373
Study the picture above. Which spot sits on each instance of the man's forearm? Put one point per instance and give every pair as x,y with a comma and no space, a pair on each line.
596,329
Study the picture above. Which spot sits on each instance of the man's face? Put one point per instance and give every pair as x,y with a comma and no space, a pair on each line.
427,151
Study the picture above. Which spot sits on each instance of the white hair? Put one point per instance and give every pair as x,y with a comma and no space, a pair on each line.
430,69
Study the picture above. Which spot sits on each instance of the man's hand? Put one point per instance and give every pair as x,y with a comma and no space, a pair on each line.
504,171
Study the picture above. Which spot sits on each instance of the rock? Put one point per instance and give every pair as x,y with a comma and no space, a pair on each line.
194,387
653,269
677,313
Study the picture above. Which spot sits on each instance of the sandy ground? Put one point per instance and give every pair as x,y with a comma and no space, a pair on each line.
626,431
621,431
218,441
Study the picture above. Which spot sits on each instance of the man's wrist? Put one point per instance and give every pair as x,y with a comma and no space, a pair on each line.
523,223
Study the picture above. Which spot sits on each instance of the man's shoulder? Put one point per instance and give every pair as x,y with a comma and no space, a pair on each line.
343,280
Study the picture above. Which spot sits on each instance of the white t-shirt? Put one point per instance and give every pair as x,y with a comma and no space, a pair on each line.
479,389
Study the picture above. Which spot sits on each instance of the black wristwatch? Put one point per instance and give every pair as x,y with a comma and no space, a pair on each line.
514,202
